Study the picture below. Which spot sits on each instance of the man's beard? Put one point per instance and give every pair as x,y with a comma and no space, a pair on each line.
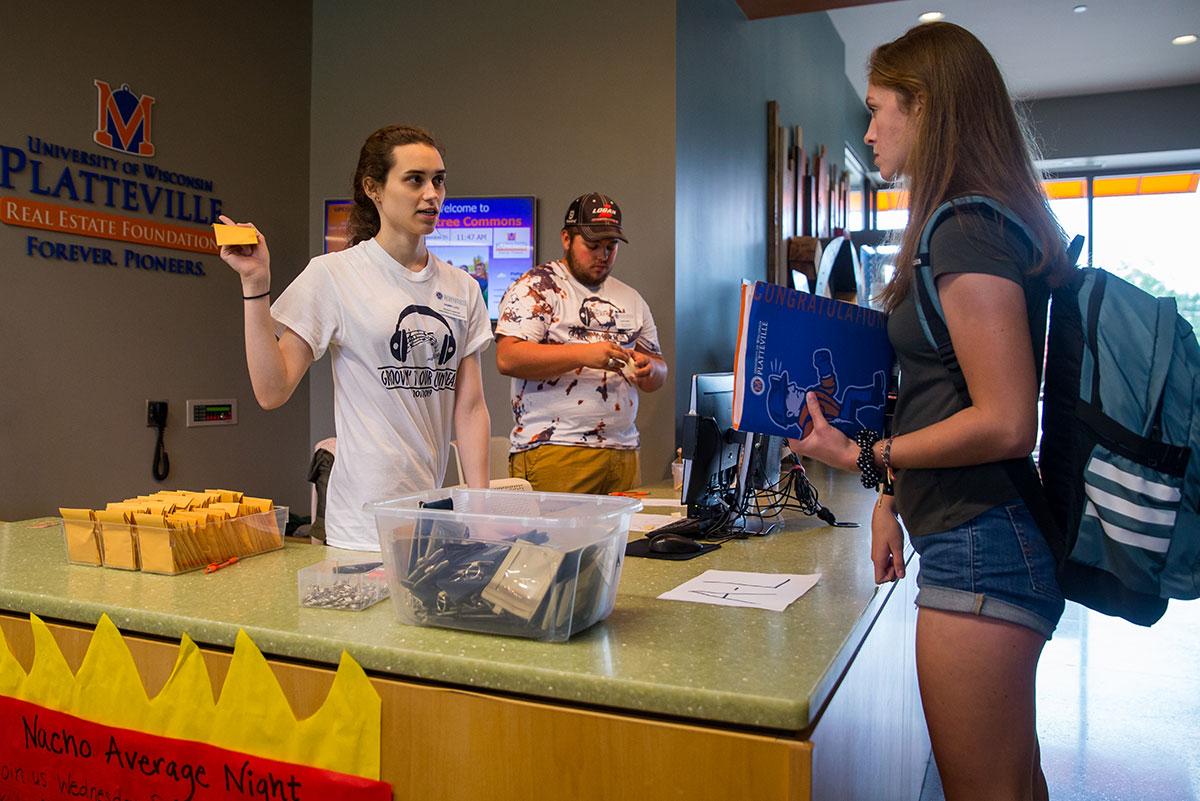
579,274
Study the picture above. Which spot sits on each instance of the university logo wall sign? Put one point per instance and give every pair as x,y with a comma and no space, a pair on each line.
56,187
123,120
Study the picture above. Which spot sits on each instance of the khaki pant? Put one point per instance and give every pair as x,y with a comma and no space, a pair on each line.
566,468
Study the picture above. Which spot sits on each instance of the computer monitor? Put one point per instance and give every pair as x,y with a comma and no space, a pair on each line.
719,462
758,468
722,466
710,446
492,238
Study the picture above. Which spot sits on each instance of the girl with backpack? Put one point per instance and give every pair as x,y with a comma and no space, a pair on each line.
942,123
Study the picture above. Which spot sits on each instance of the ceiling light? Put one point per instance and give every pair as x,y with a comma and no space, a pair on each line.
1187,38
1079,9
931,16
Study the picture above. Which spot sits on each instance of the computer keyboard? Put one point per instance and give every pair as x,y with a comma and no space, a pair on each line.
688,527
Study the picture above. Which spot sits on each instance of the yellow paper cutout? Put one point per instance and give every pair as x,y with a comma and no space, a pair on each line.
252,706
185,707
12,677
349,698
50,683
252,714
107,686
235,234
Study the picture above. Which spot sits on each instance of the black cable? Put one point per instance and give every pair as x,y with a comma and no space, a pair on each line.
793,486
793,492
160,457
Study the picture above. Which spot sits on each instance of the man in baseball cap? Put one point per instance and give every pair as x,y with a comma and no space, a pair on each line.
596,216
579,345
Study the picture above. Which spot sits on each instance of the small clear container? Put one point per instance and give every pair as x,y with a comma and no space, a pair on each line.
82,535
345,583
543,565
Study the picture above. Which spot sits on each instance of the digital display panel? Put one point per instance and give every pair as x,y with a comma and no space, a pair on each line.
492,238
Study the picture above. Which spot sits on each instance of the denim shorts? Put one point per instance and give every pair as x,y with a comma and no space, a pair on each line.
996,565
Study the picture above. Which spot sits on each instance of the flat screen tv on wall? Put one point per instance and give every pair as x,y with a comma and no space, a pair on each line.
492,238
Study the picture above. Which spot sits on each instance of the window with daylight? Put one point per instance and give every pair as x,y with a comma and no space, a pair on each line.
1136,222
1138,225
1069,203
891,209
1140,228
856,174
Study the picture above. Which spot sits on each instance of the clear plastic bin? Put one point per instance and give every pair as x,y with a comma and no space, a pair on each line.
345,583
527,564
119,545
82,534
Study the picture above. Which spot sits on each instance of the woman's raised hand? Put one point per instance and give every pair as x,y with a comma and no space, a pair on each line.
251,262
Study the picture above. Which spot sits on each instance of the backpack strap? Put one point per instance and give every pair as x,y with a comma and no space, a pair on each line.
1168,312
1074,250
1021,472
929,306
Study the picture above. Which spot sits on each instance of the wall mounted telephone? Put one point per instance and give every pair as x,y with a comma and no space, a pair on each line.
156,417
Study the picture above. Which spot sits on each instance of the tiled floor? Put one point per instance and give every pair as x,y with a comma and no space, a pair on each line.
1119,709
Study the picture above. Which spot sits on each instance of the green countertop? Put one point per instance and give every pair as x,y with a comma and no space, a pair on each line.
710,664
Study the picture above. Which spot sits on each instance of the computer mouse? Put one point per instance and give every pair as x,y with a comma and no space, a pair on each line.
674,543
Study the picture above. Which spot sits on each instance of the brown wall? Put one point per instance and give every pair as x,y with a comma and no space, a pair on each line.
82,347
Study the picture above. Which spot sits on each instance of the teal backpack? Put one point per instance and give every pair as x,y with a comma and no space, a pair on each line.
1118,492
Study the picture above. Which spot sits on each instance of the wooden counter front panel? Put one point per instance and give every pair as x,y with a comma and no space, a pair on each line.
458,745
871,741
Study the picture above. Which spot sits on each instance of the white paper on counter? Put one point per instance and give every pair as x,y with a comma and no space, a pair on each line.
673,503
774,591
640,522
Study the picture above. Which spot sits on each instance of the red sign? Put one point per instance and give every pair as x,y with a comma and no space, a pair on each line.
47,756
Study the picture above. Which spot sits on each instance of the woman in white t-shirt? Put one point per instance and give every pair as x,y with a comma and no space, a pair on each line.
404,330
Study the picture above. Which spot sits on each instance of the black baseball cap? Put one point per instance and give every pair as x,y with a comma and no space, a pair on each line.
596,216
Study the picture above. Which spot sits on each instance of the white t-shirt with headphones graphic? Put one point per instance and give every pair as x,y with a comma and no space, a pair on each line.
585,407
396,338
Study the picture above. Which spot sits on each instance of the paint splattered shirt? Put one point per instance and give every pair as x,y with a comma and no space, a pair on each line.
583,407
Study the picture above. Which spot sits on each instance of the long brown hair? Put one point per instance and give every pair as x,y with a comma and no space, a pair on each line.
968,140
375,160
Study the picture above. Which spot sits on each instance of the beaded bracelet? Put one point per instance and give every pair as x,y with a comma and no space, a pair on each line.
887,488
866,439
